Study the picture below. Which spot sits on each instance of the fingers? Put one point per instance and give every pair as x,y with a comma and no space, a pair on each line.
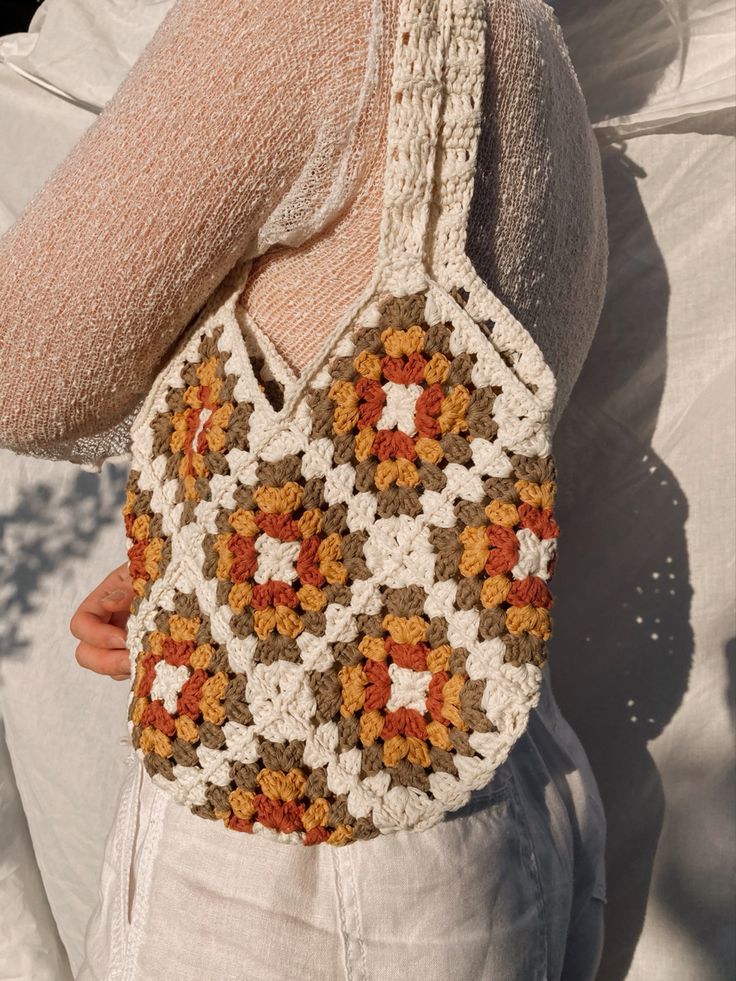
120,577
120,618
112,596
114,663
116,591
99,624
99,632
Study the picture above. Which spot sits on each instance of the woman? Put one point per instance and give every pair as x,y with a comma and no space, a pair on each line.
272,146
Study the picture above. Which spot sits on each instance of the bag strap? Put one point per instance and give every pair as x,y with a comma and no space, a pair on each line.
415,111
461,126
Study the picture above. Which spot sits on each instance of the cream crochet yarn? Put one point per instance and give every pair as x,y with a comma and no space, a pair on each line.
341,574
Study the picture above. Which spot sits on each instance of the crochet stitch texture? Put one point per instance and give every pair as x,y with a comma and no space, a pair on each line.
342,600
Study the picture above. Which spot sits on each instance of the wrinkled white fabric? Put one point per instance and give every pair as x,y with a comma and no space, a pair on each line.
29,941
495,892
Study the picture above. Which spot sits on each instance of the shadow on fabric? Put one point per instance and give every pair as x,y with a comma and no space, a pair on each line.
622,646
51,528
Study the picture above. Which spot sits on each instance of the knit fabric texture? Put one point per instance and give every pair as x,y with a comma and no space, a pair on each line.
341,573
243,134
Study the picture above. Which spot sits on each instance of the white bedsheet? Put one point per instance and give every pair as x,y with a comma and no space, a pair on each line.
644,651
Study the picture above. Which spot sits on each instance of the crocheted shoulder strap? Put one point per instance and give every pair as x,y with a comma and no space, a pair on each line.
414,120
468,23
434,129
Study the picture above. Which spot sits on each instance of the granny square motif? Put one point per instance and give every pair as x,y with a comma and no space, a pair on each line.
342,600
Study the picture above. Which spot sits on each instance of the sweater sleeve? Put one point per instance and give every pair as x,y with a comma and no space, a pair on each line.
233,114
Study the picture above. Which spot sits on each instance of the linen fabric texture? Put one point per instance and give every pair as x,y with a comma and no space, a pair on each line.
507,887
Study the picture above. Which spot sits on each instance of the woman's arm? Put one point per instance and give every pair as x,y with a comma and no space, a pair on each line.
224,114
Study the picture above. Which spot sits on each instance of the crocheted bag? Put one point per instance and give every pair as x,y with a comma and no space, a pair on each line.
342,607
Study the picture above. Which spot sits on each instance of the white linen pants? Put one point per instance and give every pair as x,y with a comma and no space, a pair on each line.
510,888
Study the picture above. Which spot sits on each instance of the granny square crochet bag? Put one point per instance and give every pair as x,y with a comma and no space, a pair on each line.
341,578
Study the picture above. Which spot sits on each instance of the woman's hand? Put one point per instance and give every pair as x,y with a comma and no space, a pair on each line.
99,625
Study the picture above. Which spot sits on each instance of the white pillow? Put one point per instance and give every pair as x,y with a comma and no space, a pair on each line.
82,49
643,71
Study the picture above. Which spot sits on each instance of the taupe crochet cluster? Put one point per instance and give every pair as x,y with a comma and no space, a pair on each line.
342,574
